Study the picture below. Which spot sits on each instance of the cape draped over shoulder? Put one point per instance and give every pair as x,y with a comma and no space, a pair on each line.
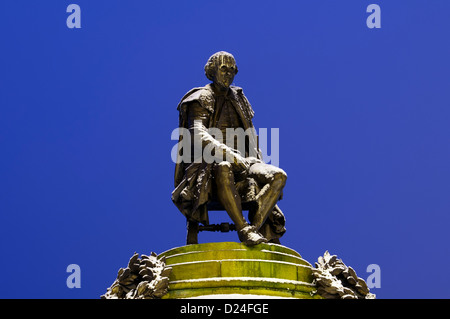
193,182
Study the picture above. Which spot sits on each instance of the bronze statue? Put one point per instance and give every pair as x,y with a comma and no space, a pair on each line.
236,177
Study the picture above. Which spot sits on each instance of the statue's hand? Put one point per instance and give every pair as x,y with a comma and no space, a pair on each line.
241,162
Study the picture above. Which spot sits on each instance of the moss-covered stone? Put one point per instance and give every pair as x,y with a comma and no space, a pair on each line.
229,246
234,254
233,268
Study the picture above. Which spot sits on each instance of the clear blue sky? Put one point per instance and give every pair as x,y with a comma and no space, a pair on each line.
86,117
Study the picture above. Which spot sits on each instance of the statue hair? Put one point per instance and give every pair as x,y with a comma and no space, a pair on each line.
212,64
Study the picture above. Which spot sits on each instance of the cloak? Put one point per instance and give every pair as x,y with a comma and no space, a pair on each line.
193,181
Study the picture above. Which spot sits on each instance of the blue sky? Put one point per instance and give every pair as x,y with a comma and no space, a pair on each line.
86,117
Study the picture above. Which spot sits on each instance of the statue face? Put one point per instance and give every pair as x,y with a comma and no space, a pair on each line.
226,70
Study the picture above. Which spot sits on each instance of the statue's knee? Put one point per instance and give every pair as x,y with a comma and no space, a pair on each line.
280,177
223,170
223,166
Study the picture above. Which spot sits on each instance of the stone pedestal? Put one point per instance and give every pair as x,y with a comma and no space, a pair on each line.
230,268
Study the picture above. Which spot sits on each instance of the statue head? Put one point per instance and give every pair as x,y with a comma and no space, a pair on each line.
221,69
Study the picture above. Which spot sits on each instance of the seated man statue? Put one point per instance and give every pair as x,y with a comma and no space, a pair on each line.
235,176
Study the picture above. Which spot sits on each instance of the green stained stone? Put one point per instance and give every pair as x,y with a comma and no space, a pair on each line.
233,268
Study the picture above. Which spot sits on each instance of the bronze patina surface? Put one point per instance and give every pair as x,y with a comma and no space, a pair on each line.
237,177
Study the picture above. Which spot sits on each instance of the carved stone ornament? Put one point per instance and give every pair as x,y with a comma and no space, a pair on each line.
144,278
335,280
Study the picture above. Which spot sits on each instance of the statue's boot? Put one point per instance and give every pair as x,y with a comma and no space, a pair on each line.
229,197
250,236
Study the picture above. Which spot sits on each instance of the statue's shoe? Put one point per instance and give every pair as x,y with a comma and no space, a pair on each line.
250,236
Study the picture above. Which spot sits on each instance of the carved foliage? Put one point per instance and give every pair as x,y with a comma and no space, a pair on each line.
335,280
144,278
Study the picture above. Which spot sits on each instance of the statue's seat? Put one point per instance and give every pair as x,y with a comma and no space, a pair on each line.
193,227
249,191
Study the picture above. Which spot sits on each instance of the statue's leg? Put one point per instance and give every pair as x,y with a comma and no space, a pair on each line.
273,179
192,232
228,195
231,201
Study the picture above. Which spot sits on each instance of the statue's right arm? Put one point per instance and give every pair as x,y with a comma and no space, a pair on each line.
198,118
